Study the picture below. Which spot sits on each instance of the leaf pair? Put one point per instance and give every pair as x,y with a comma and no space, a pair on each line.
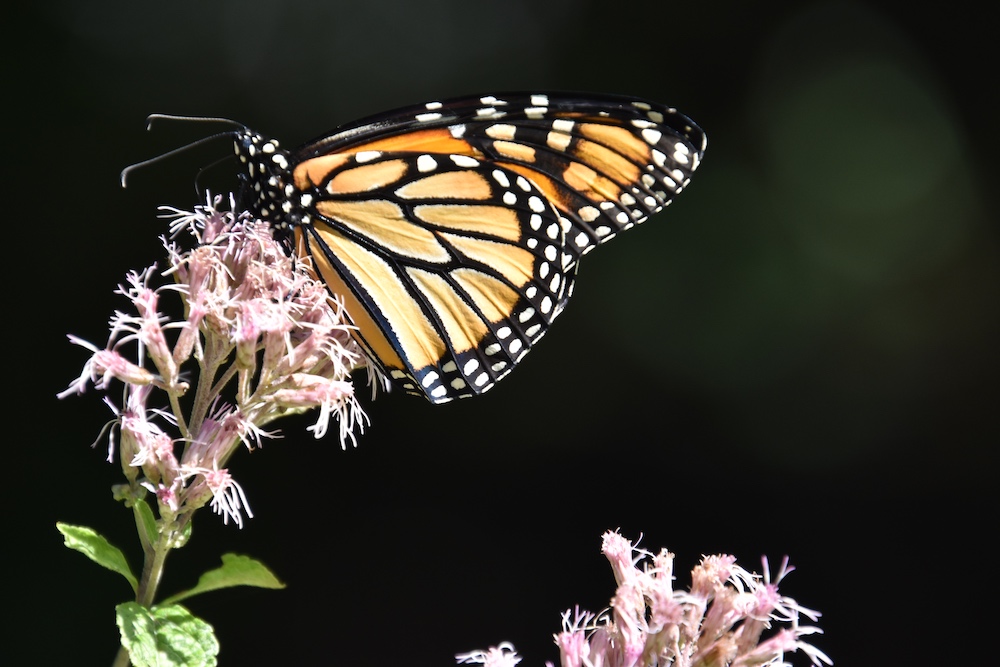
167,634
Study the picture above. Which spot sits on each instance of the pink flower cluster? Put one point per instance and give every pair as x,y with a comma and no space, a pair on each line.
259,338
719,622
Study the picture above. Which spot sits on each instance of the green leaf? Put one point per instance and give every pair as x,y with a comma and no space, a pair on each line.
166,636
236,570
88,542
147,521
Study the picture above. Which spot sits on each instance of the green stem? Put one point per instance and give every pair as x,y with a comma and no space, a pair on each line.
152,571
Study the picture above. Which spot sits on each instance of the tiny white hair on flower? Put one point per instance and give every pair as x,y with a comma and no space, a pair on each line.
501,655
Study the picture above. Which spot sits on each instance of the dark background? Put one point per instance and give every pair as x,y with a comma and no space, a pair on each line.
799,357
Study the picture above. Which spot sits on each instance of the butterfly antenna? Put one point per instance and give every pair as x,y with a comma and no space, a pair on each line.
197,178
193,119
204,140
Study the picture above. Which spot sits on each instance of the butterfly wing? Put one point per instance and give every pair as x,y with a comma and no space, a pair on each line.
445,263
453,229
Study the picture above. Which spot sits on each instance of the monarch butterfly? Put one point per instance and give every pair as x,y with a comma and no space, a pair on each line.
453,229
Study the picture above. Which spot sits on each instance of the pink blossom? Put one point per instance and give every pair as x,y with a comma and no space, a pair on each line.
717,623
259,339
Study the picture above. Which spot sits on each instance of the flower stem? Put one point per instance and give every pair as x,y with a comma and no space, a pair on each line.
152,570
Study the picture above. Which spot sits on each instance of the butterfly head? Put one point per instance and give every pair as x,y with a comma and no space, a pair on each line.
268,189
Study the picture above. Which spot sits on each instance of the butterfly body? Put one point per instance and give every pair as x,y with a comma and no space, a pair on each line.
453,230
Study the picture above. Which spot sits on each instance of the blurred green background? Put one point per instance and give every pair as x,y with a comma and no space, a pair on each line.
799,357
